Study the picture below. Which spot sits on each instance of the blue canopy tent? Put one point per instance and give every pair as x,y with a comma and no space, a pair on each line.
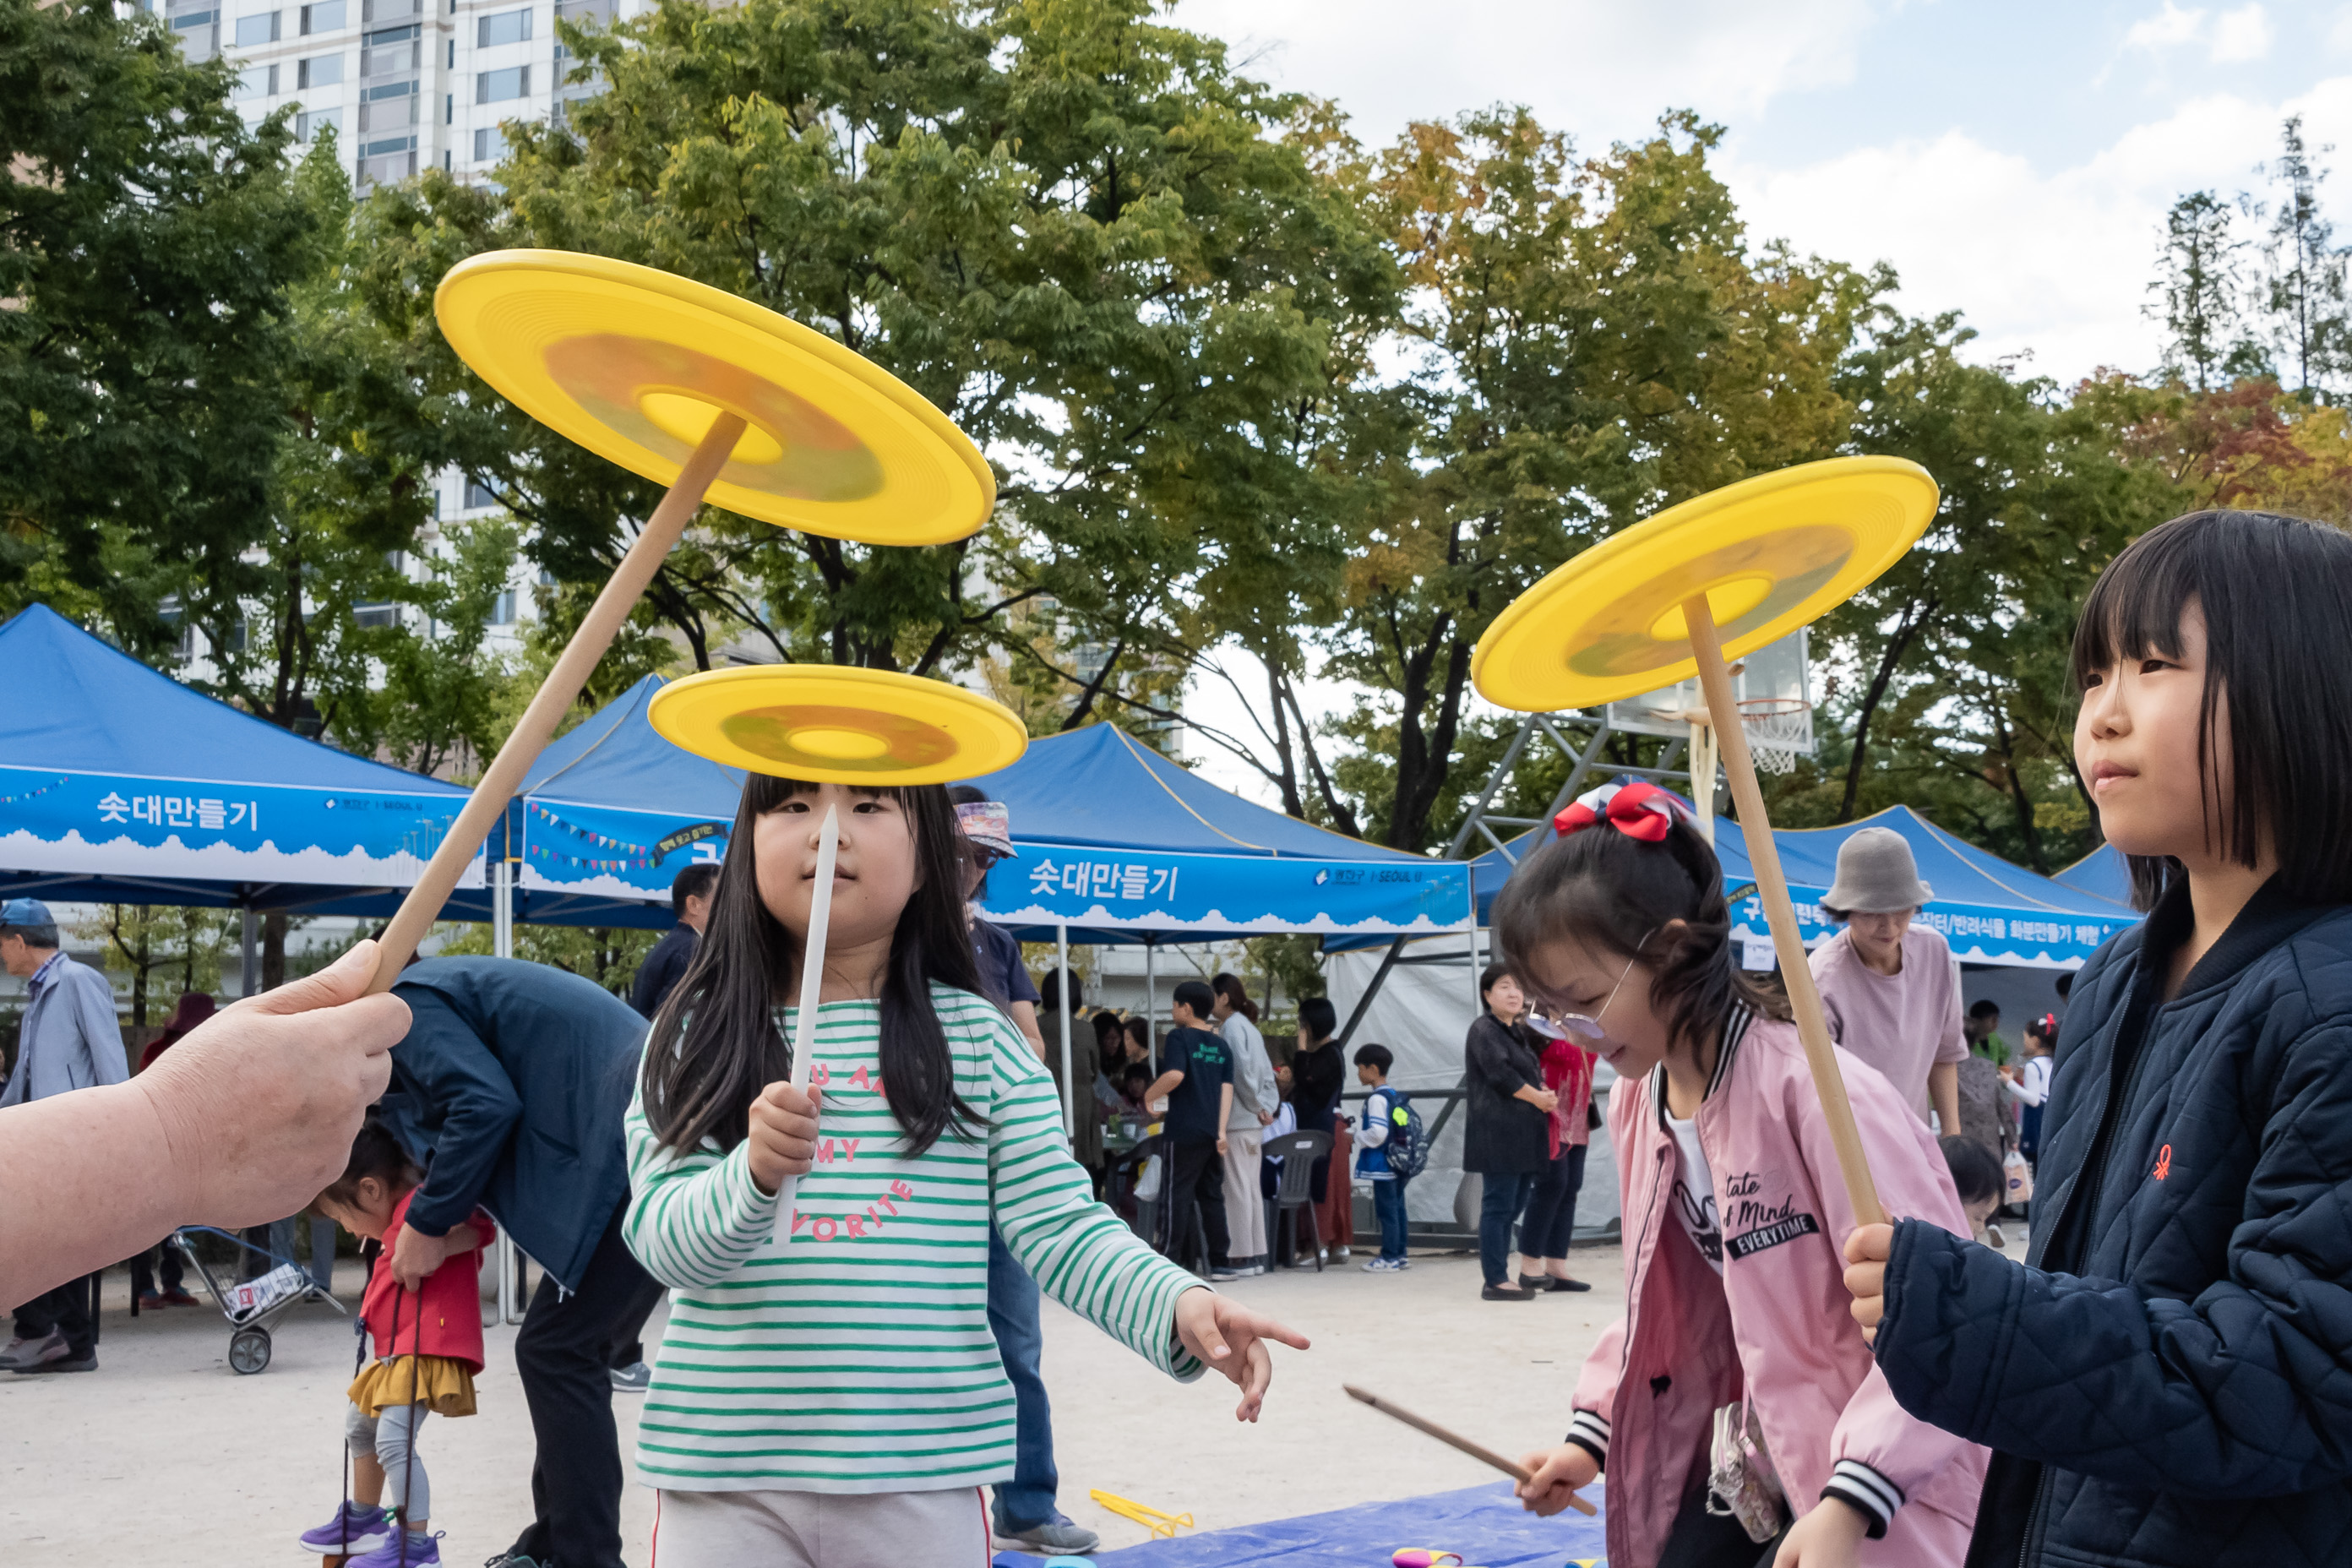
118,785
2103,872
1990,912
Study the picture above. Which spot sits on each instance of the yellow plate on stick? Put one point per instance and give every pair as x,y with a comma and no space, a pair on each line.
1770,554
634,363
834,723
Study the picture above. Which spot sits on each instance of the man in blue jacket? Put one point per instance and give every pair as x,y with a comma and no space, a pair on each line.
515,1077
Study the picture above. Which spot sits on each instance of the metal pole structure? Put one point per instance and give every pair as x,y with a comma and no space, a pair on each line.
1477,997
1069,1098
502,945
1152,1006
249,939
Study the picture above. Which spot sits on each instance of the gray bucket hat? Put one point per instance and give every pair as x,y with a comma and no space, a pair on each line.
1875,875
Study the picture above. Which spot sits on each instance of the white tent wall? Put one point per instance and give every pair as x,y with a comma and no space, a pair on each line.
1423,1013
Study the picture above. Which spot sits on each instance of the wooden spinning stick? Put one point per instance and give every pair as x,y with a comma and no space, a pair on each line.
1485,1456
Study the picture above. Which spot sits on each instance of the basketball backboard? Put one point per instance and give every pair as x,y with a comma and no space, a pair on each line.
1781,670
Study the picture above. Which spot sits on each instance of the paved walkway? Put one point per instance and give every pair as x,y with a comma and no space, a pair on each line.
164,1450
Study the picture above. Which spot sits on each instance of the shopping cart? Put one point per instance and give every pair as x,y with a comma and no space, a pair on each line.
251,1305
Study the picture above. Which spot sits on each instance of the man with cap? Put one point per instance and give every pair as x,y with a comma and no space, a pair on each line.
1890,988
1023,1516
69,1040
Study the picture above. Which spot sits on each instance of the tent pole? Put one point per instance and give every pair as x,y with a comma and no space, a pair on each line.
502,945
249,939
1070,1099
1363,1002
1477,997
1152,1006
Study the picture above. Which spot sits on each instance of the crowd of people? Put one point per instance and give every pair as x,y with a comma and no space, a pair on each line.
1789,1381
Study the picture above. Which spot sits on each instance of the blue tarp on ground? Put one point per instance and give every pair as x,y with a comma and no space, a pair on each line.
1484,1524
1990,911
1114,838
119,784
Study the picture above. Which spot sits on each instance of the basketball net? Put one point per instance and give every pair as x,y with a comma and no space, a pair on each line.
1775,727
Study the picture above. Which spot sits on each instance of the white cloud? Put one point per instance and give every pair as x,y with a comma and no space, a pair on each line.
2168,29
2242,35
1727,58
2052,262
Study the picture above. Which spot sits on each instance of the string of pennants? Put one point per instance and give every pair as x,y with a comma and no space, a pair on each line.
637,856
33,794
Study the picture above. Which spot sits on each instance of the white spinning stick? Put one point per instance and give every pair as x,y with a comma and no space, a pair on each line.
828,846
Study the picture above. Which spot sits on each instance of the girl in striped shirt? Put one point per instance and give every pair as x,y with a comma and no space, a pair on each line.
836,1397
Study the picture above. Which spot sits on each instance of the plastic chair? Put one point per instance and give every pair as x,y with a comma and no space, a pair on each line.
1297,1151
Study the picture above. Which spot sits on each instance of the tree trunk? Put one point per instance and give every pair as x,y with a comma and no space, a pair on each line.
2023,803
1914,615
273,949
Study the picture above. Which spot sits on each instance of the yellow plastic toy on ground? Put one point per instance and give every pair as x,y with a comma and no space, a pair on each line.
1160,1524
1701,583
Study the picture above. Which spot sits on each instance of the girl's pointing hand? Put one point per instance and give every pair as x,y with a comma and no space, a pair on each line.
1230,1338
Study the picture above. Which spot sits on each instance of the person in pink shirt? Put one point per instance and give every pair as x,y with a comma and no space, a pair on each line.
1890,988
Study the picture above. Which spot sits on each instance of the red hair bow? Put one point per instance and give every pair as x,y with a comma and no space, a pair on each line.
1642,811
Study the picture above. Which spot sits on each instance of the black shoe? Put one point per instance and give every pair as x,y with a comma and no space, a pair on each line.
86,1361
1505,1293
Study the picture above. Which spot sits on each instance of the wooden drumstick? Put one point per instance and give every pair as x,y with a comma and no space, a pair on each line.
1780,912
562,688
1482,1455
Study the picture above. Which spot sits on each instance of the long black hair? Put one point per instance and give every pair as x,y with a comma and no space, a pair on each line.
1614,893
715,1045
2278,647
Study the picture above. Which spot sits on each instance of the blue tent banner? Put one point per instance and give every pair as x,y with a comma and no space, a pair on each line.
1154,890
2054,938
573,848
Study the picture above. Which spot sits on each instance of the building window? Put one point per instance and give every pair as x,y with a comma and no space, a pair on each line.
502,28
490,145
502,609
479,494
308,126
319,70
375,11
199,37
375,617
256,81
499,86
254,31
326,16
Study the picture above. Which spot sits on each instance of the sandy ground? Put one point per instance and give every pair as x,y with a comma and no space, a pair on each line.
166,1450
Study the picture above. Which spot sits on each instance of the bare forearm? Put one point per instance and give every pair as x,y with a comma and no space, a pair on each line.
1163,1086
1944,1091
1025,1018
87,1180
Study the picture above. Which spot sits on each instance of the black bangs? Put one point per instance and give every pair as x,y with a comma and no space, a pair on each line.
2276,596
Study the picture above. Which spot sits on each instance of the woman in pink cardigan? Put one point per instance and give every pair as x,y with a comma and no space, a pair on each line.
1734,1407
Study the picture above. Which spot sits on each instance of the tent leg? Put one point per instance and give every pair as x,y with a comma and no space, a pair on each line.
1069,1099
1477,997
1363,1002
248,961
1152,1006
502,908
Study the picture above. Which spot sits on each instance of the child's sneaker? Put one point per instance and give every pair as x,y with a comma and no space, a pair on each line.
1382,1266
352,1531
412,1552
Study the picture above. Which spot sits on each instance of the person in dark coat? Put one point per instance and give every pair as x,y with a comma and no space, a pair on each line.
2168,1380
514,1081
1504,1139
664,967
1317,1078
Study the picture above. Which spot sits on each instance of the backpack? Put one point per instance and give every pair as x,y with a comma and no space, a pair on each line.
1408,1144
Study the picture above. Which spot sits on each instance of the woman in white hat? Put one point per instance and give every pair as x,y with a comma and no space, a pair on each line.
1890,988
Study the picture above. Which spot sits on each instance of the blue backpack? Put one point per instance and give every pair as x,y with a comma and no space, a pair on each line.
1408,1144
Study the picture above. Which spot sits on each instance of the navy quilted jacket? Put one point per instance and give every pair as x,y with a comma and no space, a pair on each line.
2168,1380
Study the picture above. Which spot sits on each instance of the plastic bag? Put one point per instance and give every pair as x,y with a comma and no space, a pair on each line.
1146,1181
2019,1177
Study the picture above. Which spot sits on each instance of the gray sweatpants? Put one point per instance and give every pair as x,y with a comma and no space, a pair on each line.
389,1439
818,1530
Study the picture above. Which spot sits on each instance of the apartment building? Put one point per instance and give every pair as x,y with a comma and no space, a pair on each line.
404,84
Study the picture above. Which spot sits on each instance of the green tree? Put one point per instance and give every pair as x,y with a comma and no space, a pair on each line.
2306,295
2200,285
147,244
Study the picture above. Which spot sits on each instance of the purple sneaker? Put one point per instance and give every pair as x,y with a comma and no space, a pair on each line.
352,1531
414,1552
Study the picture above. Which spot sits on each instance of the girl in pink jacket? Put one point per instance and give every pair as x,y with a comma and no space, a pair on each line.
1734,1213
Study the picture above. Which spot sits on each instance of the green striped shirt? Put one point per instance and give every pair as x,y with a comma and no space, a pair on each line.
856,1357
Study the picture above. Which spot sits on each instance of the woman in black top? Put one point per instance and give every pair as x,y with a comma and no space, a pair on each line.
1316,1078
1504,1140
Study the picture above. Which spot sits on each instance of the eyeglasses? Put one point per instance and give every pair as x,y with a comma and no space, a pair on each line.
1582,1028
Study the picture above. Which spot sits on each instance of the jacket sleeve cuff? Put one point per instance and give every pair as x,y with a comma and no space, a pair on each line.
1856,1483
1590,1432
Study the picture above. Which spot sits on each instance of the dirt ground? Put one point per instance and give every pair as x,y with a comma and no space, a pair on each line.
163,1449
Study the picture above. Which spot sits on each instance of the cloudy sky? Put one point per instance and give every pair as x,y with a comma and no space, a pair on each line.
2012,161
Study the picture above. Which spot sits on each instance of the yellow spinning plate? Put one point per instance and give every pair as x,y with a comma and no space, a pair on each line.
635,364
835,723
1770,554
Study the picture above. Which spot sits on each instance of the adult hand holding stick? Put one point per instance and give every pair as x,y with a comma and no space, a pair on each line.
1522,1474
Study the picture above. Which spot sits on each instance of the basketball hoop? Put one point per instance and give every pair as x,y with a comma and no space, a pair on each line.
1778,729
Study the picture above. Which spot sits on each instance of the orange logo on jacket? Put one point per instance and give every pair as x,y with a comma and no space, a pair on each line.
2164,1162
